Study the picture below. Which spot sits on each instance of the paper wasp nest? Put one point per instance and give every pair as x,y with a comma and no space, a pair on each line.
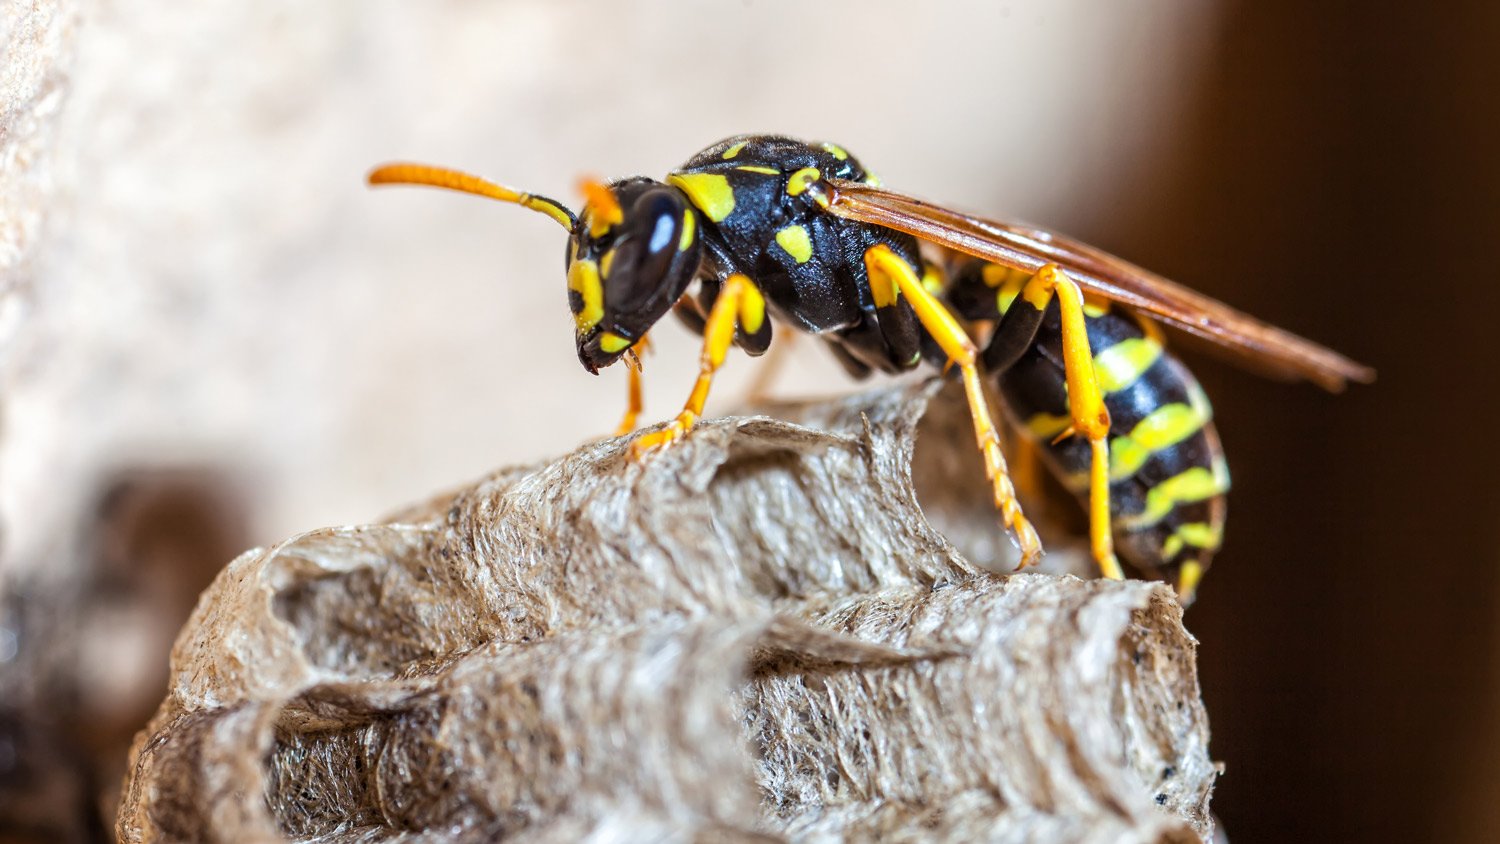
757,635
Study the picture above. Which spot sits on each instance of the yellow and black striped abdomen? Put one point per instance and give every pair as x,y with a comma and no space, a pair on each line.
1167,472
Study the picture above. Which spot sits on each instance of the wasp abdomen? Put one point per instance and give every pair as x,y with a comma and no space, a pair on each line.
1167,472
1167,475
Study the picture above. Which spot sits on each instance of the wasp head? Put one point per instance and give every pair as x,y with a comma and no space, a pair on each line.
633,253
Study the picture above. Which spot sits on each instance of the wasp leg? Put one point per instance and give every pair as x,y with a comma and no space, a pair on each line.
885,267
753,342
634,398
738,303
1089,416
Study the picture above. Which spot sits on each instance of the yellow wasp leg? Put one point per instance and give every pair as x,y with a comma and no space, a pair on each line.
634,398
1086,407
718,334
885,267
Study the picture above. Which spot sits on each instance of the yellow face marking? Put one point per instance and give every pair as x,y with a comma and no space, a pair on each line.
610,343
802,180
1122,364
605,263
734,150
836,151
689,230
709,192
752,309
756,168
795,241
1195,484
583,277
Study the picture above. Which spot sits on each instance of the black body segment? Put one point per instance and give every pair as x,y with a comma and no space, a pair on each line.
760,219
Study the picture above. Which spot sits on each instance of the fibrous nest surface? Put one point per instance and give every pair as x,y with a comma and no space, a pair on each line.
759,634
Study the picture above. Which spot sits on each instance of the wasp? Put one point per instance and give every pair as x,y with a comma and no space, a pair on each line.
778,230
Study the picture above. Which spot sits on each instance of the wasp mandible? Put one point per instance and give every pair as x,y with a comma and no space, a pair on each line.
776,229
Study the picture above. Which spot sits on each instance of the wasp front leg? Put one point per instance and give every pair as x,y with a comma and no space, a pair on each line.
738,304
885,267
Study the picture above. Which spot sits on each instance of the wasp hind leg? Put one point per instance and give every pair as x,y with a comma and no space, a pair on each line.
1086,410
887,268
739,305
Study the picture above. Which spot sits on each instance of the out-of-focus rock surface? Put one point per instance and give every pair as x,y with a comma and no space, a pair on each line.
757,635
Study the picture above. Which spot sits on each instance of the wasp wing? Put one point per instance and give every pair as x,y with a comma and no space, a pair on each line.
1268,349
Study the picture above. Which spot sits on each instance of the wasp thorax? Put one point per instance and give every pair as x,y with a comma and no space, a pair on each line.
634,251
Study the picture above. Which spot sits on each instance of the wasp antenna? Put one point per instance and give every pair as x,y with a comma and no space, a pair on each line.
403,173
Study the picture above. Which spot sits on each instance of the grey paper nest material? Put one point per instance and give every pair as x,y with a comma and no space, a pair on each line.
758,635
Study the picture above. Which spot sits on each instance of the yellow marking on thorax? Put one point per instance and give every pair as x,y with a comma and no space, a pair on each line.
756,168
795,241
994,275
689,230
583,277
1122,364
709,192
605,263
802,180
1007,283
836,151
734,150
1095,306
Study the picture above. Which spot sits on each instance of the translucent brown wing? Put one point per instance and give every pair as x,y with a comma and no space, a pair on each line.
1267,349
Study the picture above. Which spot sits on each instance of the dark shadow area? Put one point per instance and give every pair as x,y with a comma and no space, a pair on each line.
1339,177
83,663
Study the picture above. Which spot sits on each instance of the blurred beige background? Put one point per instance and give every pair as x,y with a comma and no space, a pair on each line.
215,284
